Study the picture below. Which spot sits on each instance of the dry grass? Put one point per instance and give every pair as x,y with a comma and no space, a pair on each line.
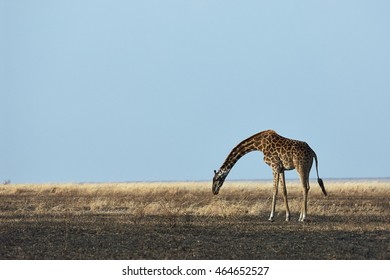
184,220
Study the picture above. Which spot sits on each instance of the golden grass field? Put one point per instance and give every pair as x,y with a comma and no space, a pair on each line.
183,220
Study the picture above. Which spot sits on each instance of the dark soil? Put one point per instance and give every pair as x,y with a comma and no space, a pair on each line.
121,236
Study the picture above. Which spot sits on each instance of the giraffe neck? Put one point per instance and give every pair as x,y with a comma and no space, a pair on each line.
246,146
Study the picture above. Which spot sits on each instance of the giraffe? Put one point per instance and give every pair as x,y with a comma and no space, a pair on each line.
280,154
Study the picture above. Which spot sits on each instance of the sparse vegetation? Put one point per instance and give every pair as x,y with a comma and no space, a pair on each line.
185,221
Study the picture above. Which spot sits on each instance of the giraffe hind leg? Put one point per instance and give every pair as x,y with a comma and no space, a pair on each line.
306,187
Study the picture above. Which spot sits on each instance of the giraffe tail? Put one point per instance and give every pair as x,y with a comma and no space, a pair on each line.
319,180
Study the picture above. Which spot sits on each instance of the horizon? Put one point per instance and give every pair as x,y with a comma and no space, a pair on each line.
295,180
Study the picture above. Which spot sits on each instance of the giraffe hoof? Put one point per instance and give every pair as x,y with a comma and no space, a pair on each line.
271,219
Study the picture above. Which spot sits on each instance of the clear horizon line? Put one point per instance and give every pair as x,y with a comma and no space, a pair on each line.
232,180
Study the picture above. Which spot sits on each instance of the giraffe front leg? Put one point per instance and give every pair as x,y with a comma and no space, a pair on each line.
275,193
283,183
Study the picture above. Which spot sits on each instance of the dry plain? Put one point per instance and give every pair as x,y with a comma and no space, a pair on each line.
183,220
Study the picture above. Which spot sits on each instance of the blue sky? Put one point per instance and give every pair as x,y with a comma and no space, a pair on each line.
97,91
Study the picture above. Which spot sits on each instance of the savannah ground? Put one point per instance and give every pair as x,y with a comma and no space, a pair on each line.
185,221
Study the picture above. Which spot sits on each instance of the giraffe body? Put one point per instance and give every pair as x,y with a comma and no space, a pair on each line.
280,154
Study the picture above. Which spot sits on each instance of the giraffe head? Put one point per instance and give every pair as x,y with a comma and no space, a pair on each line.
219,178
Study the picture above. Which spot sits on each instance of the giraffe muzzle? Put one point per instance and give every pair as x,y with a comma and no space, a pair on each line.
215,190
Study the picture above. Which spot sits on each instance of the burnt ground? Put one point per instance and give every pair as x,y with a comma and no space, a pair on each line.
122,236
